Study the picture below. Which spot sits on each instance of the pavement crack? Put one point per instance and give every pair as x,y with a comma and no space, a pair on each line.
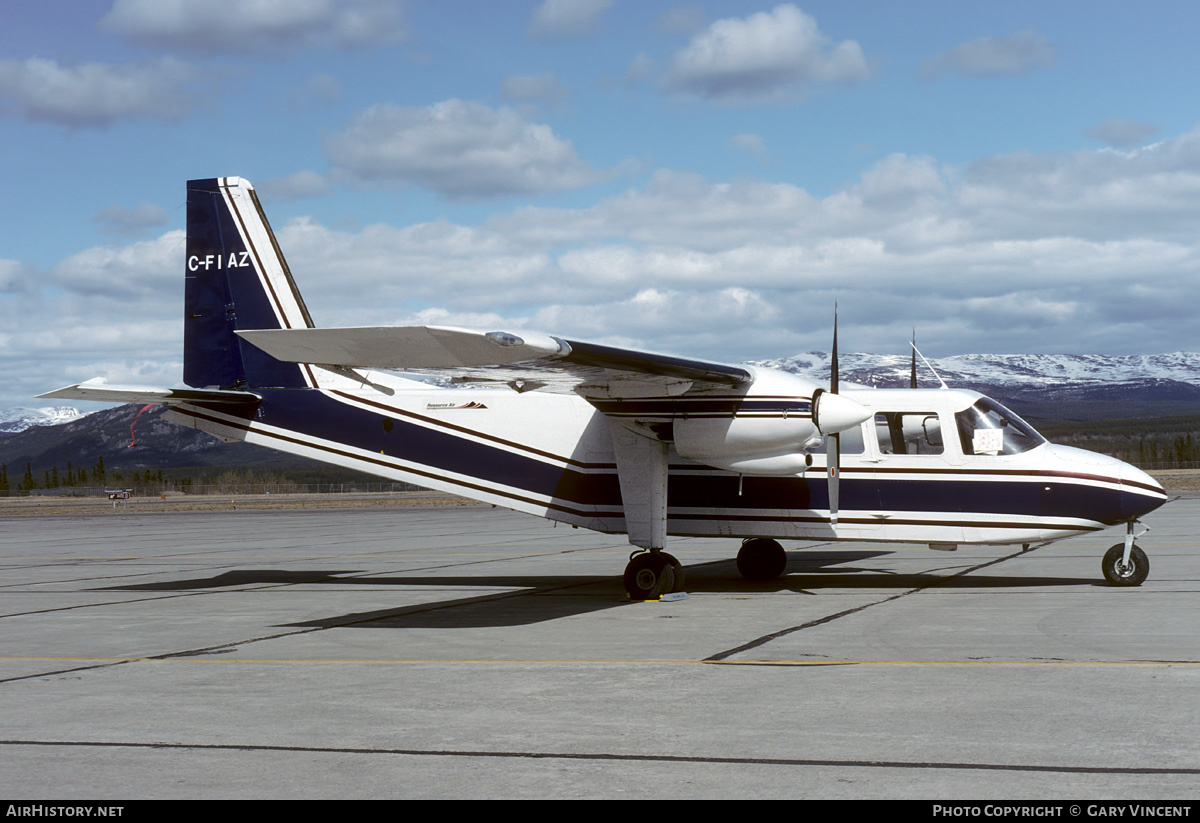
767,638
625,756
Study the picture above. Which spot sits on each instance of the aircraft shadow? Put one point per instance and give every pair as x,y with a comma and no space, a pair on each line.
541,598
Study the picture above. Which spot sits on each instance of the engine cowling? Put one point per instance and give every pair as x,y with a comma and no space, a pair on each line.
764,430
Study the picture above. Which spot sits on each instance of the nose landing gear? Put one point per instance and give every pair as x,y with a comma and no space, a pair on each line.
1125,564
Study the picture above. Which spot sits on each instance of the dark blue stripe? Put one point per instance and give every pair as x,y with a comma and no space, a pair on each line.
697,407
316,415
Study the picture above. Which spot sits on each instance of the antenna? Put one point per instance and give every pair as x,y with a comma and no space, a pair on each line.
926,362
912,369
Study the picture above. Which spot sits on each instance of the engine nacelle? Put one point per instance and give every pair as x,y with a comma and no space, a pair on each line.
766,429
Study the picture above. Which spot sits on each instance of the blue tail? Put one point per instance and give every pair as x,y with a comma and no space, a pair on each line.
236,278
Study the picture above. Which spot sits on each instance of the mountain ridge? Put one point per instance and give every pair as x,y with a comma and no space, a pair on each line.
1042,388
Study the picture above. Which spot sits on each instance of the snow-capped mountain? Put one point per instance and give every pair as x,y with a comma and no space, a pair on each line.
21,418
1040,387
1014,370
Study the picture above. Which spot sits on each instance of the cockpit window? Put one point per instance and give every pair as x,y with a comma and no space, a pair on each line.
909,433
989,428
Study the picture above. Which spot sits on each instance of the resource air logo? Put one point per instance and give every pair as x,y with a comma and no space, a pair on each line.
234,260
474,404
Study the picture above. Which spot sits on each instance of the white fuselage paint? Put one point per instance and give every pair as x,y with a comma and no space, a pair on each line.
565,433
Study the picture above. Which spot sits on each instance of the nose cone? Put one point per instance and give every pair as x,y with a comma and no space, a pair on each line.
1141,492
835,413
1122,493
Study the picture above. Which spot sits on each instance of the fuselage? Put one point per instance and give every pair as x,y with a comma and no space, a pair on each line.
943,467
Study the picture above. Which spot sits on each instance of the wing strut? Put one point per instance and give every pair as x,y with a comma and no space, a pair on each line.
642,472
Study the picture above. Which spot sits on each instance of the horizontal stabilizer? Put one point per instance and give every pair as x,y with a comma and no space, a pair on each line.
97,389
447,347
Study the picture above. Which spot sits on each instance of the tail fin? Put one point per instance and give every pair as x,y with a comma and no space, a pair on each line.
236,278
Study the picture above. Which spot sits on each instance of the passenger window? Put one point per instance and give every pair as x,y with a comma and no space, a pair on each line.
851,441
909,433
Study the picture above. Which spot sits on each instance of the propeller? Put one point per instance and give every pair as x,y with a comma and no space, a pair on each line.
833,446
834,414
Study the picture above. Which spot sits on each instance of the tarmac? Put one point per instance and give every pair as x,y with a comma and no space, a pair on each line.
434,652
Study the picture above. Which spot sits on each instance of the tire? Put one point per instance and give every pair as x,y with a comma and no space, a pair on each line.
680,577
649,576
1118,575
761,559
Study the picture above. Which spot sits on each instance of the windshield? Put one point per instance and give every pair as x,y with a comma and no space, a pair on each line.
989,428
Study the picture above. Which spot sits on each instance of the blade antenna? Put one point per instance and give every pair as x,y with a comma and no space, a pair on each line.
912,369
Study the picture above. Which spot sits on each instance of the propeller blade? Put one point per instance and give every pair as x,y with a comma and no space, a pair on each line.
833,459
833,358
833,446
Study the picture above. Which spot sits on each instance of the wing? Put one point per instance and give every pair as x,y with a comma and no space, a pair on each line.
523,357
98,389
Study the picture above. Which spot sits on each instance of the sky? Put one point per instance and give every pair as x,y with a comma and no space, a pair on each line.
704,179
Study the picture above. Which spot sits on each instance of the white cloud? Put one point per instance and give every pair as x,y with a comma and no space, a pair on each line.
13,277
96,94
1101,195
567,18
683,20
540,88
139,268
1087,251
1014,54
752,145
254,26
639,69
1124,134
900,176
123,222
295,186
110,311
318,91
459,149
763,58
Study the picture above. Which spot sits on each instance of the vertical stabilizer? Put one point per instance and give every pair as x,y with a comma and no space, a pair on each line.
236,278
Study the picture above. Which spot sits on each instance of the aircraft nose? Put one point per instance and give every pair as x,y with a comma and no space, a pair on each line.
1142,493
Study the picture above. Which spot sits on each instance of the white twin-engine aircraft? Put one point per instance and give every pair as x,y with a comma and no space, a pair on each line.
613,439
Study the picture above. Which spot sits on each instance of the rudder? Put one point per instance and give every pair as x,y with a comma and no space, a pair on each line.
235,278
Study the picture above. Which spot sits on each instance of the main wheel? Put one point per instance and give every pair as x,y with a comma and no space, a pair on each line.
649,575
680,578
761,559
1119,574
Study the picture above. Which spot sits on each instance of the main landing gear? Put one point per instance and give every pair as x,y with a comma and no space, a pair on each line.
1125,564
651,574
761,559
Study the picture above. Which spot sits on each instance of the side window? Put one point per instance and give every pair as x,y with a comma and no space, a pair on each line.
852,441
909,433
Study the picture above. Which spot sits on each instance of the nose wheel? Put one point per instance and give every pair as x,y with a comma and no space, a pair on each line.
1121,572
1125,564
